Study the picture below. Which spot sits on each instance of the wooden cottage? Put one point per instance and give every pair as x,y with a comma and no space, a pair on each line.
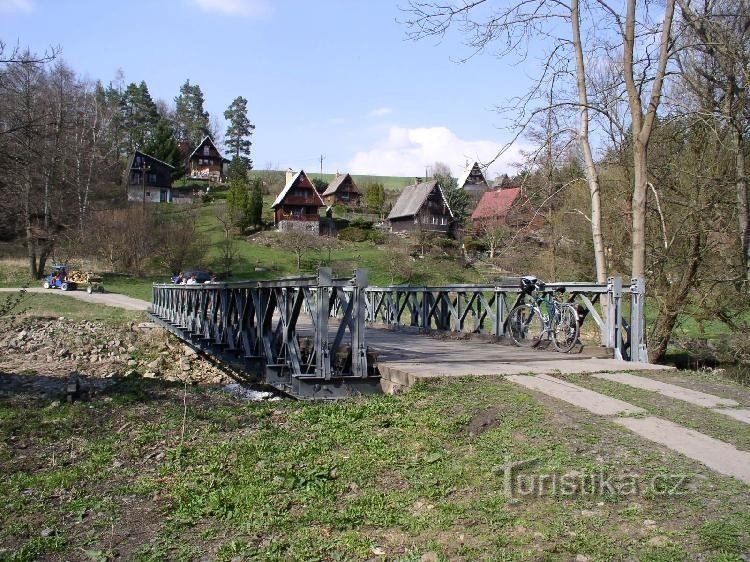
149,178
472,181
342,190
498,209
206,162
421,206
297,206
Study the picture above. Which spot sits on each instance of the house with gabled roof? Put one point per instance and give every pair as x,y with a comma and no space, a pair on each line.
498,209
343,191
148,178
206,162
298,205
421,206
473,182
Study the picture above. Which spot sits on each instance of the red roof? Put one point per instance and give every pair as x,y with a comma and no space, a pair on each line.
496,204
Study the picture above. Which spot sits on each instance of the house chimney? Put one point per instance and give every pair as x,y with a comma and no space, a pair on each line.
289,174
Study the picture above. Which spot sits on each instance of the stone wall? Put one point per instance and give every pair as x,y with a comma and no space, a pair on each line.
300,226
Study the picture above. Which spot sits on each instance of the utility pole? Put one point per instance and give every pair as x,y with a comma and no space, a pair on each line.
321,166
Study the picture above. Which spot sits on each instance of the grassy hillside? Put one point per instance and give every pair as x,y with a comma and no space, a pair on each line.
391,183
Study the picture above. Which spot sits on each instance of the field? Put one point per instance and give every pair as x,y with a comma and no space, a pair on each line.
150,471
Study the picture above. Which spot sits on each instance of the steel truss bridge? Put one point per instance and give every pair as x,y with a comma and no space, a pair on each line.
307,336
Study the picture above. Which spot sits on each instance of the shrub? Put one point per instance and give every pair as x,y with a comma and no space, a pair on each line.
377,236
353,234
361,223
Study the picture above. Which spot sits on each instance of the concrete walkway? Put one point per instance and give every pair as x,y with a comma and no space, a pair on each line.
717,455
107,299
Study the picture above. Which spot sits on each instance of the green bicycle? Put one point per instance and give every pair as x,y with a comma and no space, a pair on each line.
530,322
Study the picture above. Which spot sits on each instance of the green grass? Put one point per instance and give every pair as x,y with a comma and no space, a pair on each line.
58,304
385,477
391,183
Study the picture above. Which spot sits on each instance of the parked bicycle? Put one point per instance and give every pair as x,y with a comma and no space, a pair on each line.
544,315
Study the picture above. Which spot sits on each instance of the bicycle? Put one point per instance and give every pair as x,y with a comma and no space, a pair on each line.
530,322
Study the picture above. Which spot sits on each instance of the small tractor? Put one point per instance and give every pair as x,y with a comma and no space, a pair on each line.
65,280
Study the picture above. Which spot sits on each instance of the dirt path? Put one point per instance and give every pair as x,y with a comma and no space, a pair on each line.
108,299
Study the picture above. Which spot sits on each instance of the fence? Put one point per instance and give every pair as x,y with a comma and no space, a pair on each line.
616,310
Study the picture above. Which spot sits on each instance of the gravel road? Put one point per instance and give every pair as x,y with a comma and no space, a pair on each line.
108,299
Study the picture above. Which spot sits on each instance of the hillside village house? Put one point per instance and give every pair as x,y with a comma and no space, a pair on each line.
157,187
421,206
205,161
297,206
472,181
343,191
499,209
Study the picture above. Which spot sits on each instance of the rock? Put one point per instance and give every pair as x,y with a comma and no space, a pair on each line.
188,351
132,349
581,558
649,523
155,365
184,364
658,541
132,363
430,557
377,551
48,532
149,375
22,334
131,373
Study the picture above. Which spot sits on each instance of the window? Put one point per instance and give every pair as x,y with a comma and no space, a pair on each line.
152,179
206,150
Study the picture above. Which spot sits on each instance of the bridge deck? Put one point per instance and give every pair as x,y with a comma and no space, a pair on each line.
405,357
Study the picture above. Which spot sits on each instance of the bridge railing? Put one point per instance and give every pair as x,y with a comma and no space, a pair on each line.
279,327
616,311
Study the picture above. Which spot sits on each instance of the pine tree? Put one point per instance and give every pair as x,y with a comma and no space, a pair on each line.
458,199
190,119
139,116
164,147
255,204
239,131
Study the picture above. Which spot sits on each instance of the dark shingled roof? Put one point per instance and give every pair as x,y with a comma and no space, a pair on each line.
336,183
412,198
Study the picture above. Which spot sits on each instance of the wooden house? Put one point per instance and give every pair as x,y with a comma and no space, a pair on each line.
206,162
499,209
342,190
473,182
421,206
149,178
297,206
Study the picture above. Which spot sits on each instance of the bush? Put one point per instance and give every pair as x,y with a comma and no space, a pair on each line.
361,223
377,236
353,234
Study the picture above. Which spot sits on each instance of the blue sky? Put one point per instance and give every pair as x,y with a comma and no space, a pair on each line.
331,77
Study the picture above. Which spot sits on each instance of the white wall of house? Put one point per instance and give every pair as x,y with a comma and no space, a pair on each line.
153,194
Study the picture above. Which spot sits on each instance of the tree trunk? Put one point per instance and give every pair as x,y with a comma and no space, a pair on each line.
743,211
592,176
31,253
640,186
676,300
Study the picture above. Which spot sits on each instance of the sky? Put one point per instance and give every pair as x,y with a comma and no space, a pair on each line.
337,78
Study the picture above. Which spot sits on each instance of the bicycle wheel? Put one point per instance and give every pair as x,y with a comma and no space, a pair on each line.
565,330
526,325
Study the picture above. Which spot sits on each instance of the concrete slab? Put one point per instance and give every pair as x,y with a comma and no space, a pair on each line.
741,414
717,455
667,389
576,395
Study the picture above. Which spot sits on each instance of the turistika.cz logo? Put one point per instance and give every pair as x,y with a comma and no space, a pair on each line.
519,483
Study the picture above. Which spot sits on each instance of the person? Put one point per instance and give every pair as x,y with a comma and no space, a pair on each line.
177,279
192,280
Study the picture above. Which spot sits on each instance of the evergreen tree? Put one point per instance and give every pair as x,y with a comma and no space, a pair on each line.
139,116
458,199
239,131
238,198
190,119
255,210
163,146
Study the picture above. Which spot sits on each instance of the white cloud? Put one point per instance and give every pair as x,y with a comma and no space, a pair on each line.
406,152
16,6
247,8
380,111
